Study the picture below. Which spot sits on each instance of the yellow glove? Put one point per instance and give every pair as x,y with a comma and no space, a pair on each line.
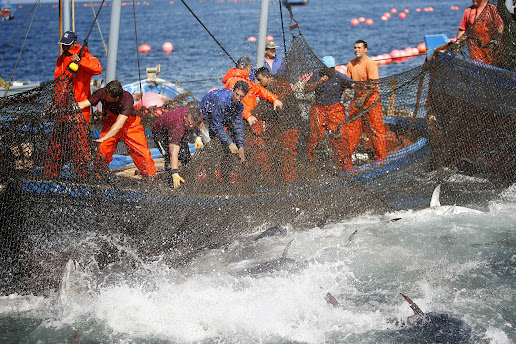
177,180
198,143
233,148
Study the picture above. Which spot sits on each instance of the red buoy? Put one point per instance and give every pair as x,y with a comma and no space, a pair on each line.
167,47
369,21
251,39
144,48
393,10
270,38
421,48
403,15
354,21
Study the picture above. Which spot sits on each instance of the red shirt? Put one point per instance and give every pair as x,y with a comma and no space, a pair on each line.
172,122
124,106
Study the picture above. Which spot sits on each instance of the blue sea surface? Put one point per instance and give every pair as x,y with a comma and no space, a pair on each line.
196,56
459,264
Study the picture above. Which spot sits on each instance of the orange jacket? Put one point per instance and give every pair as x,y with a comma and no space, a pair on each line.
255,90
88,67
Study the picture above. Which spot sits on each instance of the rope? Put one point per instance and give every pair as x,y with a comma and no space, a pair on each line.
85,44
100,31
14,38
282,27
200,22
137,50
23,45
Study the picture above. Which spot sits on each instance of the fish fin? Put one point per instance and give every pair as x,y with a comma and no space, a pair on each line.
331,300
415,308
352,235
434,202
285,251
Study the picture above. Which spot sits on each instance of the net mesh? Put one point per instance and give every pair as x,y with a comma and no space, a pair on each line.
59,200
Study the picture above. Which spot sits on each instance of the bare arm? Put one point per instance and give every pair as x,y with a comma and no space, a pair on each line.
174,153
115,128
84,104
311,87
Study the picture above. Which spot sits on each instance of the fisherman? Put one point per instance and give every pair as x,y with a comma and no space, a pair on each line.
68,128
120,122
327,112
286,131
223,109
241,72
88,65
272,61
365,70
484,31
171,132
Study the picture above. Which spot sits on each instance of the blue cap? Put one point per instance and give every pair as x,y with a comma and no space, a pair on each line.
68,38
329,61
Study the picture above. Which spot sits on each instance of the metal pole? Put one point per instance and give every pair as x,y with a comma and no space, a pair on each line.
262,34
114,30
66,15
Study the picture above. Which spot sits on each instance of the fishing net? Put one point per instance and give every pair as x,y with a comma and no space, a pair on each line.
59,199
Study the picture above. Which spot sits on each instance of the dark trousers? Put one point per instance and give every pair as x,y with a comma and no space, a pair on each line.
184,156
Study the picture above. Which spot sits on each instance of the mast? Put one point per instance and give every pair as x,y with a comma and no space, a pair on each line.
262,33
114,30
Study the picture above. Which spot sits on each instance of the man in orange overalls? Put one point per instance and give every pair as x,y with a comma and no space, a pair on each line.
120,122
363,68
241,72
327,114
68,140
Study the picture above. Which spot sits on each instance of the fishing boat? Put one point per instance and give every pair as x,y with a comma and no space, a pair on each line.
296,2
7,12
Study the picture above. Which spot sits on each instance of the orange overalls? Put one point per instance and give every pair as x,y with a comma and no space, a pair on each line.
133,135
328,117
69,137
255,90
372,122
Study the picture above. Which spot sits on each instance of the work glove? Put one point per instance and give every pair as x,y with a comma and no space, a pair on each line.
198,143
177,180
233,148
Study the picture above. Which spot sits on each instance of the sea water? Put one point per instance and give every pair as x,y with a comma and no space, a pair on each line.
462,265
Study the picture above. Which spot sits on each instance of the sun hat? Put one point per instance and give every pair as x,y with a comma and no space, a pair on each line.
270,45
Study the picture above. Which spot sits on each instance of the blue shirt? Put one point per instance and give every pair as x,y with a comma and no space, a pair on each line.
330,92
276,64
218,109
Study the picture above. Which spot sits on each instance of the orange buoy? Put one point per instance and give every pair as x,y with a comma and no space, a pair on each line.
384,18
418,9
387,58
369,21
341,69
251,39
403,15
395,54
361,19
387,14
167,47
270,38
406,10
354,21
144,48
421,48
393,10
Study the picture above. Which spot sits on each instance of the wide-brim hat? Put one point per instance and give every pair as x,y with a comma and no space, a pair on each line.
270,45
